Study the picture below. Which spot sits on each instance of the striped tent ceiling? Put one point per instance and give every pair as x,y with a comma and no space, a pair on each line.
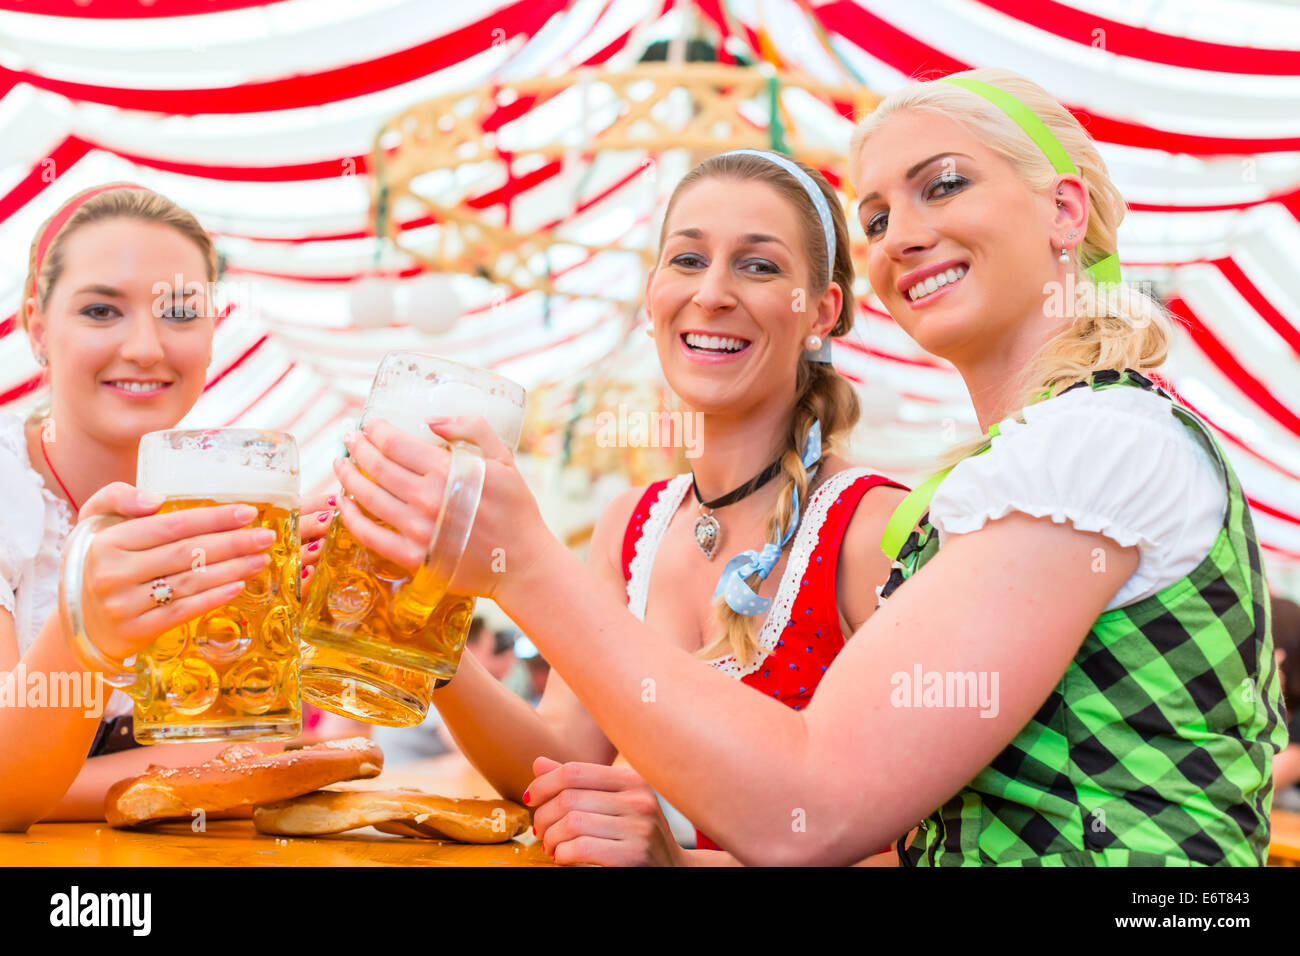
260,117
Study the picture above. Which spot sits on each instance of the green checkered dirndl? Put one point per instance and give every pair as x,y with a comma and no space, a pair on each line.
1156,746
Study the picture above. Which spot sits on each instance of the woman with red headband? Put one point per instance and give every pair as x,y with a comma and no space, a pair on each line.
118,312
1072,665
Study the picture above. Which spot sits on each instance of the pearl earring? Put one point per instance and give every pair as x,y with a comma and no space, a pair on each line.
41,360
1065,256
812,343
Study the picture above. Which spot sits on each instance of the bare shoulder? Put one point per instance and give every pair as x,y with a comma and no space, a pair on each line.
607,536
862,565
867,525
873,511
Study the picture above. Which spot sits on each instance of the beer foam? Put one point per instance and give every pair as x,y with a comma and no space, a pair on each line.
452,399
210,472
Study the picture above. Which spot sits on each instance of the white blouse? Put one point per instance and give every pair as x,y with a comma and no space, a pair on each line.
1117,462
34,524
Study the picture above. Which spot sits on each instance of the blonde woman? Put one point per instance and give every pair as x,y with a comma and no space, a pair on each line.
1076,668
126,347
753,282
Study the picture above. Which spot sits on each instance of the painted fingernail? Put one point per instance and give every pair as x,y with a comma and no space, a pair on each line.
304,573
313,546
534,830
525,797
332,501
324,516
245,513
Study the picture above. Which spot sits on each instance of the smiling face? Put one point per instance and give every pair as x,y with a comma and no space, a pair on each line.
942,210
128,348
731,296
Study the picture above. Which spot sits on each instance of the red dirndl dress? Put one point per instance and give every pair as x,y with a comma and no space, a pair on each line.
801,633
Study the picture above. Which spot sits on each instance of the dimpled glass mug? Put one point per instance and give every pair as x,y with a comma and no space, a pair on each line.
379,636
231,673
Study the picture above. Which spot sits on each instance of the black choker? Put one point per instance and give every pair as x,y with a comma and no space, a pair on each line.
708,532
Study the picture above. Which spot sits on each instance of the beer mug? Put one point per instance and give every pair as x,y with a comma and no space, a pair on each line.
365,689
381,635
231,673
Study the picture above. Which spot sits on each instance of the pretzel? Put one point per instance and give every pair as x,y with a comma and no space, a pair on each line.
401,812
239,776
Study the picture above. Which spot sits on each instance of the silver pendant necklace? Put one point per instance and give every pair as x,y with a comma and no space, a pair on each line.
708,532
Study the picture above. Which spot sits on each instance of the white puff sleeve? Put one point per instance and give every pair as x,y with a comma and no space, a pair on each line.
23,510
1117,462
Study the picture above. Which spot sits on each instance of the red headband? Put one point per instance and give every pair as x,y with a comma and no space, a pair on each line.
60,219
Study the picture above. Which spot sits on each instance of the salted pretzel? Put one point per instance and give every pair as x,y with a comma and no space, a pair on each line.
401,812
239,776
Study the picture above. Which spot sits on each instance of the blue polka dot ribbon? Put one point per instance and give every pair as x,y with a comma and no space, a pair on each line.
732,588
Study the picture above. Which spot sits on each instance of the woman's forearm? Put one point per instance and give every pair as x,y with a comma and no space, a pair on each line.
498,731
709,858
662,709
84,800
1286,767
47,732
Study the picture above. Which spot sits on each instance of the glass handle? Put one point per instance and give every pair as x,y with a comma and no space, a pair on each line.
455,520
71,581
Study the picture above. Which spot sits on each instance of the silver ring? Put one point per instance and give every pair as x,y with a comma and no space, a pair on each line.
161,592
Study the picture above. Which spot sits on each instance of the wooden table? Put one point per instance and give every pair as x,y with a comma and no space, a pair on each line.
1284,850
236,843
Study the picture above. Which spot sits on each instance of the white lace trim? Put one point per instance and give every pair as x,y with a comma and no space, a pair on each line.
43,590
652,532
17,445
805,543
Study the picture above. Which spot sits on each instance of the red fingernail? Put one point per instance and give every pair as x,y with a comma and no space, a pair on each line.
534,831
324,516
525,797
314,545
304,572
331,501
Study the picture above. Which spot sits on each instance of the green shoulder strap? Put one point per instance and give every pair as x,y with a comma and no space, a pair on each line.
916,504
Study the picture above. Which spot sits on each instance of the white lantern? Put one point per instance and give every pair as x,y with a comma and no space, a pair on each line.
430,304
372,302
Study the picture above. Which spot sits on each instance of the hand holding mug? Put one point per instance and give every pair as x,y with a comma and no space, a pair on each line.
202,556
402,480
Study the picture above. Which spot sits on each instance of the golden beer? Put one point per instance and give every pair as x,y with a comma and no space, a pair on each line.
362,603
364,689
380,635
233,672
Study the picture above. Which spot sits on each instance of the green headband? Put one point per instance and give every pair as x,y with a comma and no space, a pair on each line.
1104,270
